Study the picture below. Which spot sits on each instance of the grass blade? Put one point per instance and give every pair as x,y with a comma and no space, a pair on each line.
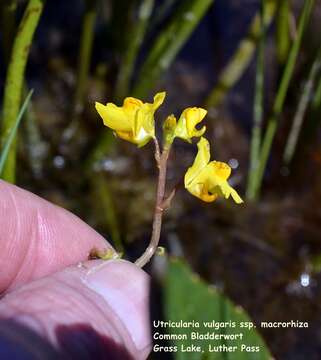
85,50
300,112
283,31
258,107
241,58
9,141
169,43
15,79
281,94
83,67
135,39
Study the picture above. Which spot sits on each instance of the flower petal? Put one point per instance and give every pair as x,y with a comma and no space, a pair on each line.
193,117
201,160
113,116
221,169
159,99
189,118
208,180
227,191
132,104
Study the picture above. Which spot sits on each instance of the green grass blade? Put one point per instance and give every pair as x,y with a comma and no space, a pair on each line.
15,79
283,40
9,141
258,107
300,112
281,94
241,58
85,53
134,41
169,43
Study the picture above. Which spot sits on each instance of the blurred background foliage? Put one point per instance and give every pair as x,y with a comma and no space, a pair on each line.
255,65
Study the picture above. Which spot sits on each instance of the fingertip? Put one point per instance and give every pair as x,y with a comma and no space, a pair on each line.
38,238
125,288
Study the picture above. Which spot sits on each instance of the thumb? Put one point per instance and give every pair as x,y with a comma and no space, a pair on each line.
99,309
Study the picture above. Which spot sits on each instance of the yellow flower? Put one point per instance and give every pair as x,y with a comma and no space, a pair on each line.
190,117
185,127
134,121
208,180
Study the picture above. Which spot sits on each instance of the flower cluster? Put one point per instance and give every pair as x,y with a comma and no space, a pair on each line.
134,122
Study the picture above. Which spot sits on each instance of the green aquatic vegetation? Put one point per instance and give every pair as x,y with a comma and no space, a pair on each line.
199,314
85,52
303,103
241,58
135,39
168,43
273,120
15,80
283,40
8,142
258,109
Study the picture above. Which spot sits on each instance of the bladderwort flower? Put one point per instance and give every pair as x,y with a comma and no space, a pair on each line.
207,179
185,127
134,121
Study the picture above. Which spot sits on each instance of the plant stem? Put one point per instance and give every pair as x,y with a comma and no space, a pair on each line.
86,44
300,112
280,97
158,212
241,58
283,31
258,108
85,50
169,43
135,39
15,79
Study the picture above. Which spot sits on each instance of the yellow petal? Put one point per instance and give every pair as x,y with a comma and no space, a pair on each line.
132,104
144,124
186,126
221,169
208,180
126,135
194,116
159,99
236,197
201,160
226,190
113,116
134,121
205,195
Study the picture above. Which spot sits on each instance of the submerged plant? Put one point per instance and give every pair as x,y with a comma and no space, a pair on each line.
134,121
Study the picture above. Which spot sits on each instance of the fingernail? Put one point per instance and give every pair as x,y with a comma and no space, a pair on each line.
125,288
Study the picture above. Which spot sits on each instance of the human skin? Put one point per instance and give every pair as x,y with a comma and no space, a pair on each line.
80,307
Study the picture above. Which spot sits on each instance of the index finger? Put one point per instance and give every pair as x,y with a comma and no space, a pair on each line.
38,238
